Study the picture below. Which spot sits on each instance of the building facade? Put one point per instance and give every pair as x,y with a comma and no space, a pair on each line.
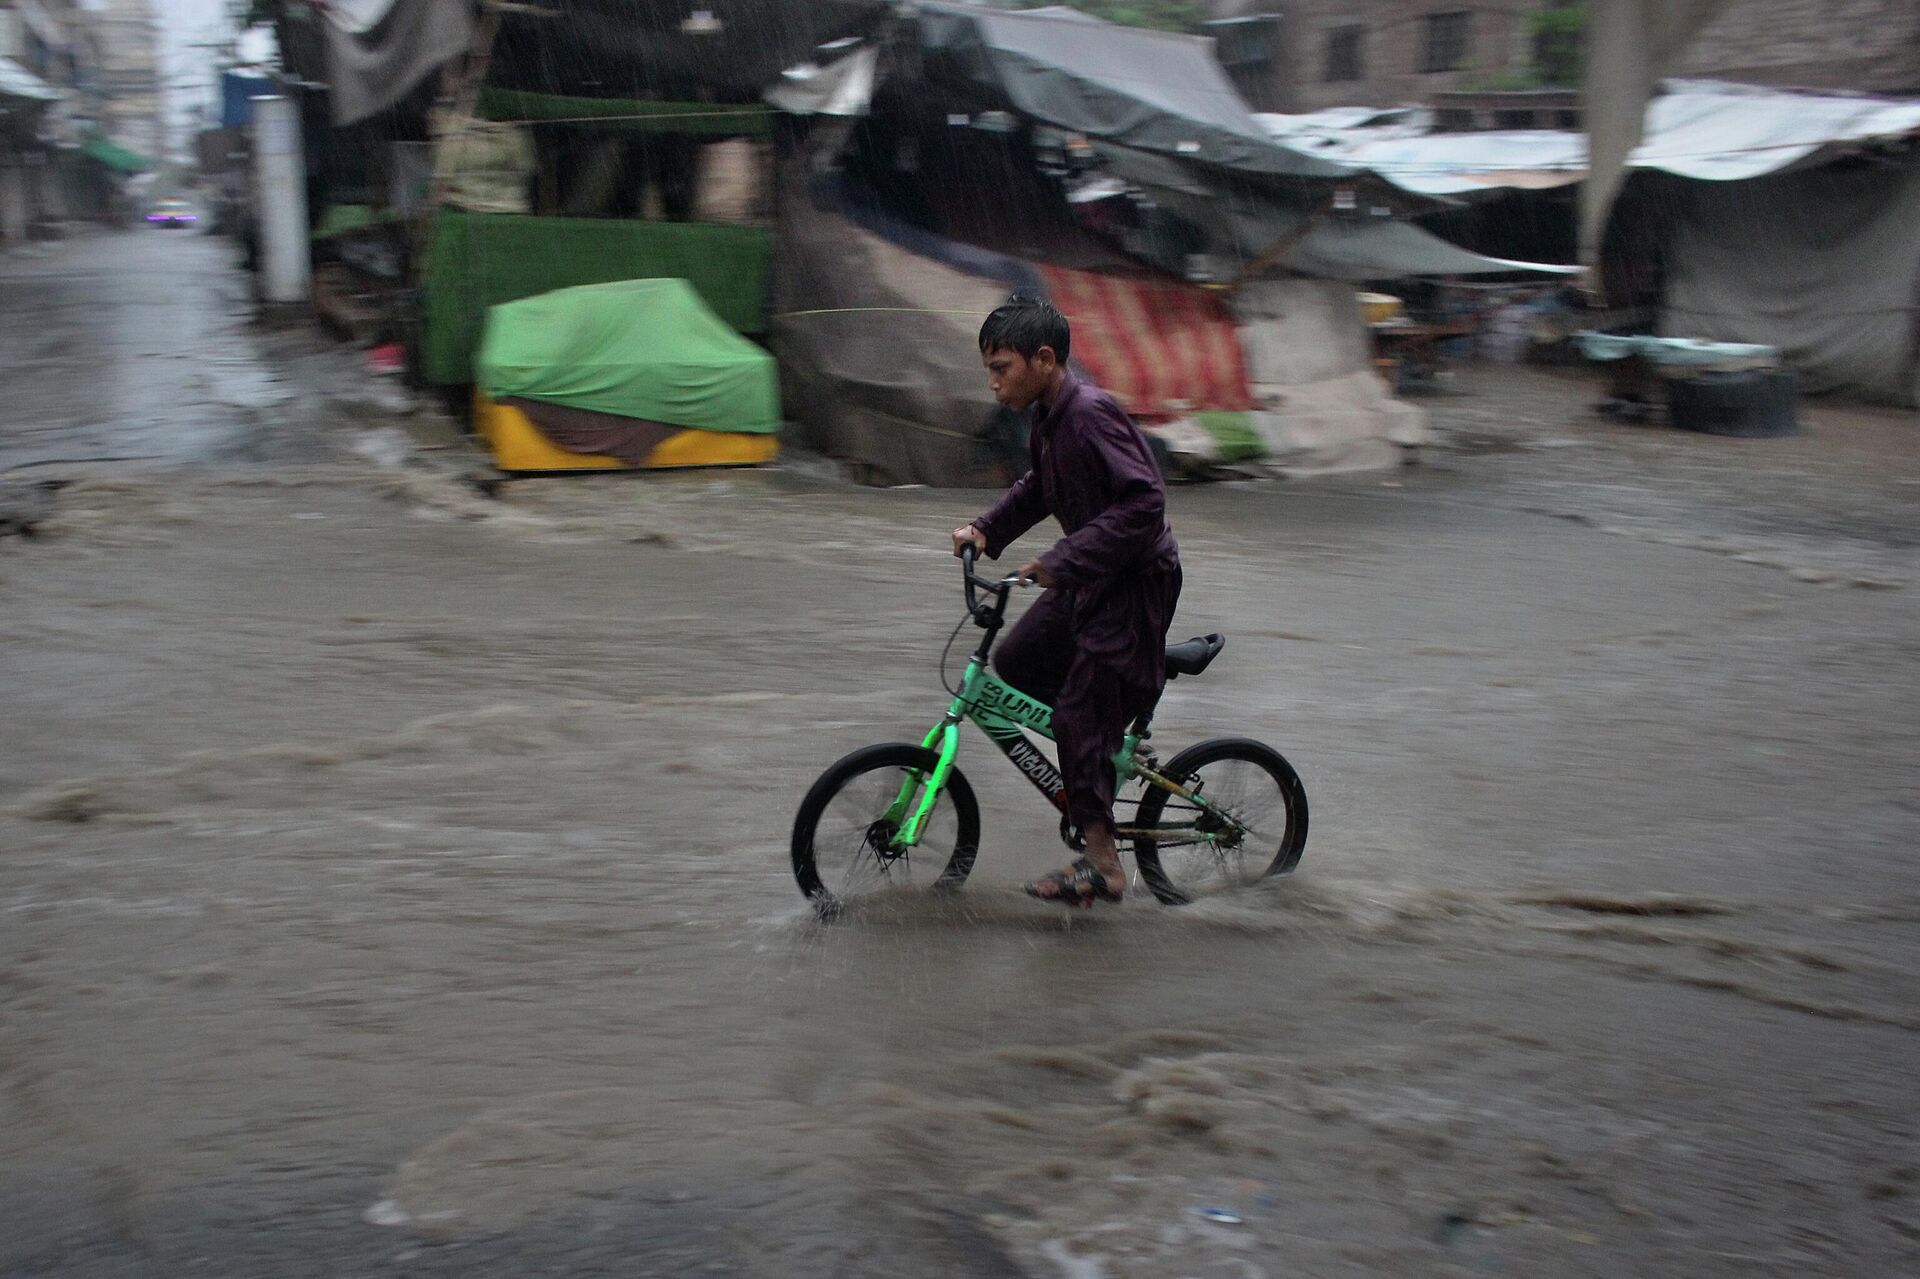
80,97
128,39
1867,46
1307,55
1325,53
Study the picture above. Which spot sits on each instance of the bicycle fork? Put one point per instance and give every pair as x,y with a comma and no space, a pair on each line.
913,805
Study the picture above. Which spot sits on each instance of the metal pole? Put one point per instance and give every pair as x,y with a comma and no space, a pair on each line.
280,183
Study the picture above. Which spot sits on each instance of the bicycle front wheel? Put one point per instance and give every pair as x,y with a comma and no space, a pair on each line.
1251,821
843,836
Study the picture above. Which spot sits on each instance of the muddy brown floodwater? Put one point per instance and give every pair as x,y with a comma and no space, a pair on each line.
394,879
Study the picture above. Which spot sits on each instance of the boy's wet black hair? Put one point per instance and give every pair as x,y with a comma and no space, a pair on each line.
1023,325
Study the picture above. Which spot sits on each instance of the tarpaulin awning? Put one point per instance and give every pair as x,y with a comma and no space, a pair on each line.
115,156
1726,132
731,120
1352,246
1452,164
1161,346
1382,249
378,50
726,51
18,82
646,349
1152,90
1696,129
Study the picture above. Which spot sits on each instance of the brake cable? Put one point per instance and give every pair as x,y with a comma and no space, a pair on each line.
948,652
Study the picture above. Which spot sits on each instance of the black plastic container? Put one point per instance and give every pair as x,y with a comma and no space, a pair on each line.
1753,402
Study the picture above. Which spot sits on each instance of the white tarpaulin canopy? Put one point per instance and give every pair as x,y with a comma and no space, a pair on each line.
1696,129
1448,164
843,87
1727,132
18,82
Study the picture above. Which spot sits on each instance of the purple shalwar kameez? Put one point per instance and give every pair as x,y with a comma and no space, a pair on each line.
1094,645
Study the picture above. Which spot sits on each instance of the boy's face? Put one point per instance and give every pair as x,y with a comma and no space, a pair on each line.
1017,381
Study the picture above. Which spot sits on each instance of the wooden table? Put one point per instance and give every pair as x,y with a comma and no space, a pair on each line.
1417,346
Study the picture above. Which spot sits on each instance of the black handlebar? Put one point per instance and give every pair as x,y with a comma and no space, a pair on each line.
969,554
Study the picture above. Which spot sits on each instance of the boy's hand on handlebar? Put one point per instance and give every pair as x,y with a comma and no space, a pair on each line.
969,536
1036,572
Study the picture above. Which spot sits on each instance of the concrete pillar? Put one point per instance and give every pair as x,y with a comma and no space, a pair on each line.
43,188
13,199
280,181
1630,46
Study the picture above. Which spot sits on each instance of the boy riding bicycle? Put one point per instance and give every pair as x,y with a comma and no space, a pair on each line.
1094,645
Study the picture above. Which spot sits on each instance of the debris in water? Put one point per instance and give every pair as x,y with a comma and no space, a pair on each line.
386,1213
1072,1266
24,507
1220,1215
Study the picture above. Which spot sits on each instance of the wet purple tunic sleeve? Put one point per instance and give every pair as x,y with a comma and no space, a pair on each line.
1019,509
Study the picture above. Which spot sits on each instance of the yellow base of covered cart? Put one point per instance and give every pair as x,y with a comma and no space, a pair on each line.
519,445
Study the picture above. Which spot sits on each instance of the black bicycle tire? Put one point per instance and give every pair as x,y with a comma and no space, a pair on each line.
884,755
1182,766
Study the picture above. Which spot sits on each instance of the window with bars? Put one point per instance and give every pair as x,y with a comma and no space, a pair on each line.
1449,38
1346,54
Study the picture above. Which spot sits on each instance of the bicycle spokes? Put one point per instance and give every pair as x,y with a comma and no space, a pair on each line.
860,842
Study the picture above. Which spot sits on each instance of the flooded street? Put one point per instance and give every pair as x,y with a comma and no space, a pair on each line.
395,877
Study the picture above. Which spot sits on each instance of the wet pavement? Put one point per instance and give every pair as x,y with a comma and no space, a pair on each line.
395,877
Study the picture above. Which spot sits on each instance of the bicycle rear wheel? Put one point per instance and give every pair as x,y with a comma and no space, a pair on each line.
1252,824
842,835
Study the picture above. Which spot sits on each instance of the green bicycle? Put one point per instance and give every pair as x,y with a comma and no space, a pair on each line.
1219,815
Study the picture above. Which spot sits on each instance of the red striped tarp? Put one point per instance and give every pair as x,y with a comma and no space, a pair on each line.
1162,348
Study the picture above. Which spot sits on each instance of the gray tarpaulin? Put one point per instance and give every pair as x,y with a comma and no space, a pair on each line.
1246,223
1153,90
1823,264
1380,249
878,363
378,50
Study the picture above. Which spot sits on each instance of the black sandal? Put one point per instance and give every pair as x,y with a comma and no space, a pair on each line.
1079,886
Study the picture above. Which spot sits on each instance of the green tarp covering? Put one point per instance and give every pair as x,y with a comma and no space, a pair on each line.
646,349
480,260
1233,435
344,219
115,156
713,119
